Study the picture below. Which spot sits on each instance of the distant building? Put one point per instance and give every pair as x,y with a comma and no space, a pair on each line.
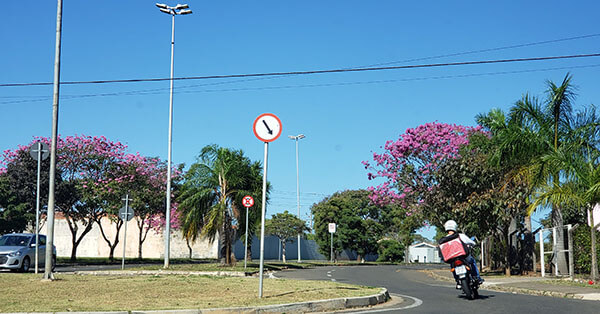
424,253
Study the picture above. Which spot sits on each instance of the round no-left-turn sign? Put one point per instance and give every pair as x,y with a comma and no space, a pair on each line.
248,201
267,127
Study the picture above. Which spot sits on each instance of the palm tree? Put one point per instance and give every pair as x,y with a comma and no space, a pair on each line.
211,195
550,123
580,185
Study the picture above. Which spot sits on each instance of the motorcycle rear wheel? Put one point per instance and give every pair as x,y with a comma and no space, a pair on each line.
466,287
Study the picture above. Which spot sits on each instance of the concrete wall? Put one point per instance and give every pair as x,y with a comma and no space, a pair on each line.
309,250
94,245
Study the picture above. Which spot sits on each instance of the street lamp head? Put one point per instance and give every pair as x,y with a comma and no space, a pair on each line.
165,11
184,12
181,6
297,137
162,6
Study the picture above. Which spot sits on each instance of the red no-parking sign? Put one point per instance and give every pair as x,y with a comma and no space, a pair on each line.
248,201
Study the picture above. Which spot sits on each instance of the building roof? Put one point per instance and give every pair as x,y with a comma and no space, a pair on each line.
423,244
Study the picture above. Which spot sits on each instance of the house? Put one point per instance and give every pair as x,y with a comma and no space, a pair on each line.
424,253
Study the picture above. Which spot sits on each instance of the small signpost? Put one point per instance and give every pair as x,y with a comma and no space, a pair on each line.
267,128
126,214
38,151
332,231
248,202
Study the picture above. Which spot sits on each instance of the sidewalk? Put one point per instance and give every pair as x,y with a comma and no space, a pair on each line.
529,285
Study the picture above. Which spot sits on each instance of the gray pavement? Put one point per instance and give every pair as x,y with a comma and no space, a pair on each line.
423,293
531,285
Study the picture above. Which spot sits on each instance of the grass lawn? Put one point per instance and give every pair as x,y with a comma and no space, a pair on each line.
27,293
581,283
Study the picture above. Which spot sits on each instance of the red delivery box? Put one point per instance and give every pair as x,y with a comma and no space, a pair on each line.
452,249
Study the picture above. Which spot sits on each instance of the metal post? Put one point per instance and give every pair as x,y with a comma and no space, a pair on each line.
331,254
262,223
571,260
555,251
246,243
37,206
482,255
125,220
298,195
542,259
50,218
168,214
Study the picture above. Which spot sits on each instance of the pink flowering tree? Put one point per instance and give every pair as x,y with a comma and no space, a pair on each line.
407,166
143,179
94,175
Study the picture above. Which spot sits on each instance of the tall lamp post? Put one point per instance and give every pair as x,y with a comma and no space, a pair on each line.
180,9
296,138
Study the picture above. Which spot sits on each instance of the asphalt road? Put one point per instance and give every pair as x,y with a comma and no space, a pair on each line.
423,294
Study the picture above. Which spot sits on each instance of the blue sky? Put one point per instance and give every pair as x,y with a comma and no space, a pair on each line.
344,116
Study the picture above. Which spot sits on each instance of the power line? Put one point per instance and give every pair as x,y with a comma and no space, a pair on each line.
157,91
488,49
311,72
139,92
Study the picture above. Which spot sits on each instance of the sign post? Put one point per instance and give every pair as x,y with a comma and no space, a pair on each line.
247,201
38,151
332,231
267,128
126,213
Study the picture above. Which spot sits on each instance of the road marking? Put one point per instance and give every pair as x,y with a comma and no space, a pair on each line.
417,302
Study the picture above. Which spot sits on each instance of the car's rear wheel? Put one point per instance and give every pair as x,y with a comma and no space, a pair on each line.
25,265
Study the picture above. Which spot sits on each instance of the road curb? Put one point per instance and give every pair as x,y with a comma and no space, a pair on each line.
163,272
301,307
497,287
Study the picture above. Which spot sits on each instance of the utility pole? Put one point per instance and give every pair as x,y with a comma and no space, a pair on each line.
50,219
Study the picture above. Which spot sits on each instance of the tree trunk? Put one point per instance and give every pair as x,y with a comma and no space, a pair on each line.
561,257
111,245
249,253
507,252
594,270
187,241
283,250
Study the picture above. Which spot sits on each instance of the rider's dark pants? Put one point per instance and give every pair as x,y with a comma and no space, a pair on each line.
473,265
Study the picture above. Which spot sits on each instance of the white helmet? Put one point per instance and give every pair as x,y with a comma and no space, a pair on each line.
450,225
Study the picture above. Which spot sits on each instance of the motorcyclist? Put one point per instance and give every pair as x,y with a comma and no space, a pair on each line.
451,228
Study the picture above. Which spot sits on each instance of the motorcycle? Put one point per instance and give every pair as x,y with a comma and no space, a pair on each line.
462,271
455,253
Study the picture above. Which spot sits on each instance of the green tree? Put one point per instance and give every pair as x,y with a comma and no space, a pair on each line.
390,251
551,123
476,195
358,222
286,227
13,215
211,194
579,162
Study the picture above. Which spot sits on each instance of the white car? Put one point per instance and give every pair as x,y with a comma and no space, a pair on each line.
17,251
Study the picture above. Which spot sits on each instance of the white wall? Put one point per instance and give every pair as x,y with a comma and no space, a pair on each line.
94,245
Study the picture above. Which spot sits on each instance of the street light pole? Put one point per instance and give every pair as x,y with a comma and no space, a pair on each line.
180,9
296,138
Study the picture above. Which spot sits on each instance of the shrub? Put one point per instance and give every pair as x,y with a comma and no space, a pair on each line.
582,251
390,251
